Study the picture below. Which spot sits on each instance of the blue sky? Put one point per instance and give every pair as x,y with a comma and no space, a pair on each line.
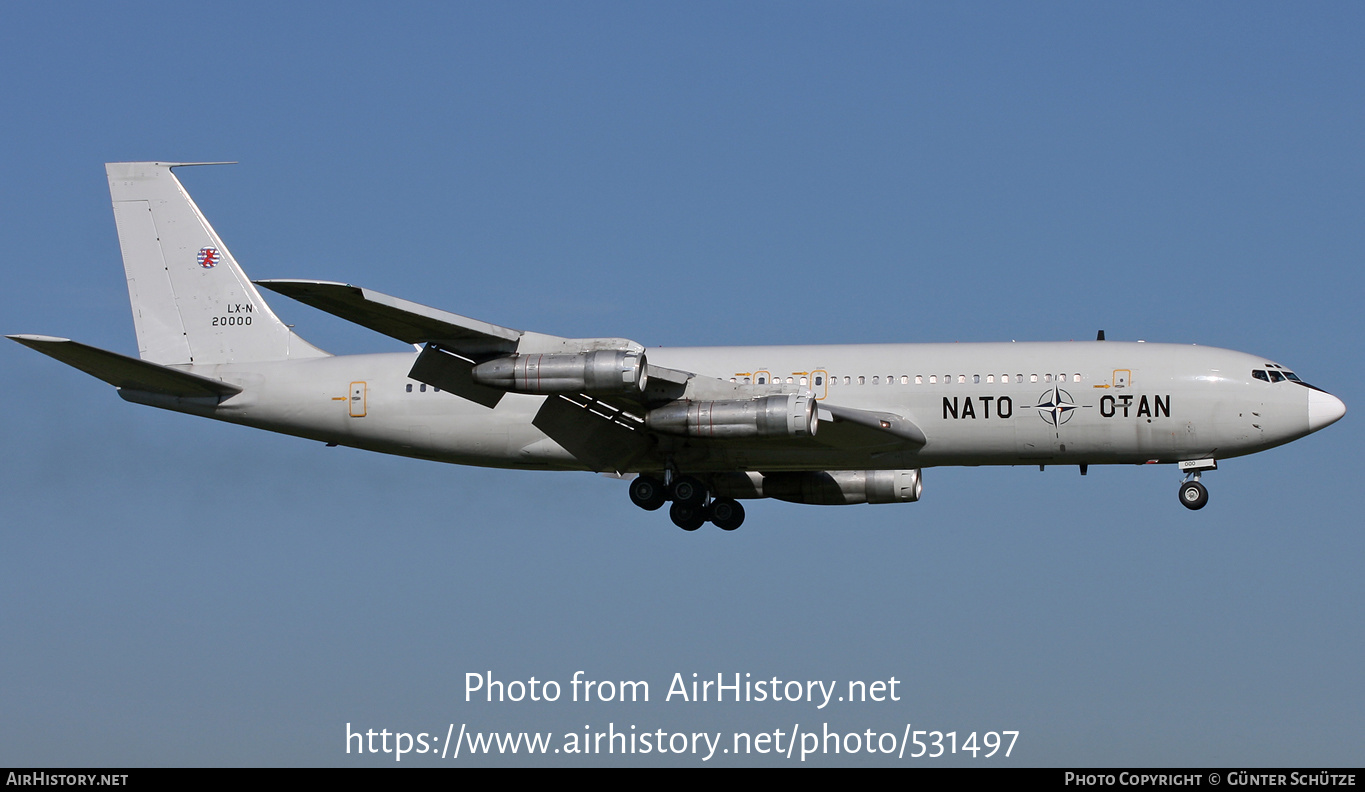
173,591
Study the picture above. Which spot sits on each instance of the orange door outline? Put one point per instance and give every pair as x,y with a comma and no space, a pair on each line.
821,390
357,401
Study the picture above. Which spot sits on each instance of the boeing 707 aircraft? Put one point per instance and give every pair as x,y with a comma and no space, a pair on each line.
700,428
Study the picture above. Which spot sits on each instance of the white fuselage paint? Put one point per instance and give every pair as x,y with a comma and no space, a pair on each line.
1133,403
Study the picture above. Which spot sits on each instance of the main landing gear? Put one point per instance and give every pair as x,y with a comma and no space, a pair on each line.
692,504
648,493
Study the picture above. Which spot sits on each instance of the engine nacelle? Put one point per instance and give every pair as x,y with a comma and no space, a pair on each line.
602,373
792,415
841,487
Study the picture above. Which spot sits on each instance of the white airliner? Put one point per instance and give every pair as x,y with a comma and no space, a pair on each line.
702,427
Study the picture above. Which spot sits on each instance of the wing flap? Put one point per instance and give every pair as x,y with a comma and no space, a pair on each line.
125,372
435,366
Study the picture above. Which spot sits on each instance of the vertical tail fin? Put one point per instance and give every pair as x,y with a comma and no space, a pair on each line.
191,302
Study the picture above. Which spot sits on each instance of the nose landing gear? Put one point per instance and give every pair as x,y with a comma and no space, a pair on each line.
1193,495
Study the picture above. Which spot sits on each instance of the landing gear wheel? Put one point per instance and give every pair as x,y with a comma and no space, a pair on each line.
727,514
688,518
688,491
648,493
1193,495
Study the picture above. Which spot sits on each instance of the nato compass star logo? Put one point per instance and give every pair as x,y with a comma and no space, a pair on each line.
1055,406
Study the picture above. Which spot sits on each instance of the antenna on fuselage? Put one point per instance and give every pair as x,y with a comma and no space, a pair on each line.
1099,336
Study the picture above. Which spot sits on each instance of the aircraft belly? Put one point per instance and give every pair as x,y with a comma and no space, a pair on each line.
717,456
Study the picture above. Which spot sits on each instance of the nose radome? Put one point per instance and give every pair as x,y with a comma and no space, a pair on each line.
1324,409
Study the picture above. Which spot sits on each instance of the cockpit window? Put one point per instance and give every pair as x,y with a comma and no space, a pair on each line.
1260,375
1276,376
1292,376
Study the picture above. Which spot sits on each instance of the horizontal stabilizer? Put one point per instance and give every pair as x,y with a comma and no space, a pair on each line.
398,318
122,371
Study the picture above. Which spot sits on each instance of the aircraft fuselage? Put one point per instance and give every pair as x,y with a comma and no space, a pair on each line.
978,404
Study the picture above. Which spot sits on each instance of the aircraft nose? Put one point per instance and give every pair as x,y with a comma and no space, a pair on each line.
1324,409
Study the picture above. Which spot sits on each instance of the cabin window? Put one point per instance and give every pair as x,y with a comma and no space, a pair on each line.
819,381
1018,377
862,380
976,379
875,380
803,380
1033,378
424,387
409,387
746,381
848,380
1047,378
1075,377
933,379
905,379
762,380
732,379
919,379
990,378
962,379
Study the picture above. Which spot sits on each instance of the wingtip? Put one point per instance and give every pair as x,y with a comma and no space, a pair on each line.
193,164
162,164
39,339
275,283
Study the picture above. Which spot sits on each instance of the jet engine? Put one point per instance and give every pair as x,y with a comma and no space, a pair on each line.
792,415
602,373
840,487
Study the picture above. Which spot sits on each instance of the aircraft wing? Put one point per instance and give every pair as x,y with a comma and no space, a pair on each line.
407,321
454,344
126,372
